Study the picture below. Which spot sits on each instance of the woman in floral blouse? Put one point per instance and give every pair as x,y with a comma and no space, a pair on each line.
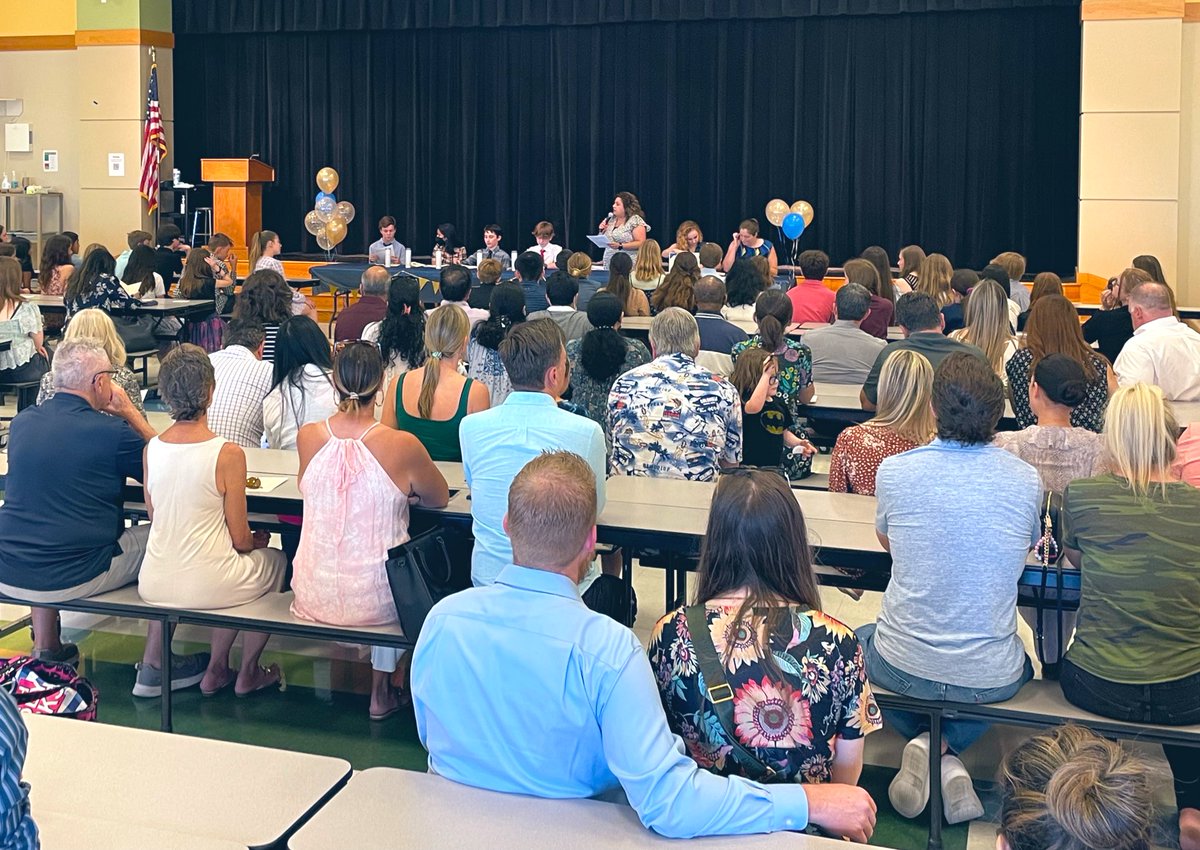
95,284
801,701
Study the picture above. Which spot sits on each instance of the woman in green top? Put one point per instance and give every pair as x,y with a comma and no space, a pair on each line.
1135,535
431,401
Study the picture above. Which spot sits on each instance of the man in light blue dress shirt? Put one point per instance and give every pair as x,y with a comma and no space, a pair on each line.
519,687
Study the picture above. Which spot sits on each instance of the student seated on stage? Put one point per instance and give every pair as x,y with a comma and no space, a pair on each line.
66,540
243,381
544,247
387,250
301,388
491,250
902,421
604,713
371,305
201,553
947,627
758,605
1134,534
1070,789
357,481
671,418
431,401
484,364
812,300
843,353
562,291
767,424
489,276
455,288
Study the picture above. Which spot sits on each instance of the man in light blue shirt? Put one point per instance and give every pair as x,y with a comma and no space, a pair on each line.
387,250
518,687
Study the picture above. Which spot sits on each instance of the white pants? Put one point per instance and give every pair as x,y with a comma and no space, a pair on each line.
386,659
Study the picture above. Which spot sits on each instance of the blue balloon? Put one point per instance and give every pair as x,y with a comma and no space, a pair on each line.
321,195
793,225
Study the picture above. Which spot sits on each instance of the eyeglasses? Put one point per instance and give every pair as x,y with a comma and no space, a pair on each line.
103,372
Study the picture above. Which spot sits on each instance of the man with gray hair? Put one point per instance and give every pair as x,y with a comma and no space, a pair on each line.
842,353
371,305
672,418
1163,350
62,533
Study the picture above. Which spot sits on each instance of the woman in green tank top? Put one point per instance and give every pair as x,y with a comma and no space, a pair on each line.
431,401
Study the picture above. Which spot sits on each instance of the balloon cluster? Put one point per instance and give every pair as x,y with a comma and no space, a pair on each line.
791,219
328,218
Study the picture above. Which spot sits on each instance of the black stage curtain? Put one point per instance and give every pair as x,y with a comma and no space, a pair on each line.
955,130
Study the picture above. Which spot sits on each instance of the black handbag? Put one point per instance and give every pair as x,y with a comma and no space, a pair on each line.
137,332
421,573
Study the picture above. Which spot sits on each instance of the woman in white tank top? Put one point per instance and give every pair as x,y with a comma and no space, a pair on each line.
201,553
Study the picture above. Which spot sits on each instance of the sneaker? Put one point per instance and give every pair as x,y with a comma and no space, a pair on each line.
909,791
68,653
959,799
186,670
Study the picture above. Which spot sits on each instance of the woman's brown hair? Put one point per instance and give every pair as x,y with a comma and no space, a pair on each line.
773,313
632,205
258,244
357,375
864,273
195,272
1046,283
10,282
878,257
757,540
678,288
913,256
1053,328
619,268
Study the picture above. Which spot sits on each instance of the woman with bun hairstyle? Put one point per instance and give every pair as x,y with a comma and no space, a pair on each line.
747,243
1069,789
1053,328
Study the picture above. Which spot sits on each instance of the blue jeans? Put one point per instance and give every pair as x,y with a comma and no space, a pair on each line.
958,734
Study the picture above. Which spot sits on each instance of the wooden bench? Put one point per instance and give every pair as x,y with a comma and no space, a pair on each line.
133,357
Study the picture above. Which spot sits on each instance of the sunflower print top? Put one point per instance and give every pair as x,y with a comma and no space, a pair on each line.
791,722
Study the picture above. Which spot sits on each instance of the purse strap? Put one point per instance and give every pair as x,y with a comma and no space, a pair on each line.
720,694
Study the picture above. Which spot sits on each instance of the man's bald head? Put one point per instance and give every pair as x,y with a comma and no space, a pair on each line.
374,281
710,294
1149,301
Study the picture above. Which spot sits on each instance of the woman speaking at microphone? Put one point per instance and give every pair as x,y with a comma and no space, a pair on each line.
624,226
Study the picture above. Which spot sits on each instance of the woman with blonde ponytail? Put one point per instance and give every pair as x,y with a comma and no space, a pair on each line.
430,402
357,481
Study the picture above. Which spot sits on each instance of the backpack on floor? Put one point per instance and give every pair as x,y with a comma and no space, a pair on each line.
43,687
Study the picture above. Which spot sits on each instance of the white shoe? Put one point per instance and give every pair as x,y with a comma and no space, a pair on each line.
959,799
909,791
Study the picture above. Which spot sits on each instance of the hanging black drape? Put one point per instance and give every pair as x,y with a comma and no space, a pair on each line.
955,130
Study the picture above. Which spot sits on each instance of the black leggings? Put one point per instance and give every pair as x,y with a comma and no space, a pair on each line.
1174,703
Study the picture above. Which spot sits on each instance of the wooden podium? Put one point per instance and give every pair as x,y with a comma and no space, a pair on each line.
237,195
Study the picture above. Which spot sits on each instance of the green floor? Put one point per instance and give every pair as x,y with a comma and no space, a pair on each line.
324,711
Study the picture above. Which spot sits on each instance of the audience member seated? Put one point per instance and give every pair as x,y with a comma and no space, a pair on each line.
879,315
93,285
489,272
717,336
1053,328
908,263
243,380
950,633
767,424
986,326
138,278
265,300
301,387
387,250
878,258
1070,789
484,363
711,260
678,288
69,541
747,243
134,239
671,418
1112,326
648,267
843,353
21,327
224,262
431,401
1135,536
357,481
1187,460
401,334
603,355
544,247
634,300
606,714
743,285
1014,266
934,279
199,282
563,291
201,553
961,284
1163,351
20,831
499,441
96,324
529,272
22,251
758,605
903,420
812,300
370,307
265,248
579,266
1046,283
921,322
455,288
1000,276
170,253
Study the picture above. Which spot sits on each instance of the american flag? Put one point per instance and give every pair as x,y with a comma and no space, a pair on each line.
154,143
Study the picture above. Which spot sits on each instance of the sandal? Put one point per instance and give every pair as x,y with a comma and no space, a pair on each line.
277,682
231,677
403,701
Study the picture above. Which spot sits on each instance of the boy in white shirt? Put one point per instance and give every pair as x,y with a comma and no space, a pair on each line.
543,235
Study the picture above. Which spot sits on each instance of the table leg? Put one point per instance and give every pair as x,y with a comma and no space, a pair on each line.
935,781
165,664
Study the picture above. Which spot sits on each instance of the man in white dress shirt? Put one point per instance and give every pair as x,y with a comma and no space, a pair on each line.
1163,350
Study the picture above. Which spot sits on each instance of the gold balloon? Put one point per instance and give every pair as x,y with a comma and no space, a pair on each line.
313,223
805,210
776,210
345,211
323,241
327,180
335,229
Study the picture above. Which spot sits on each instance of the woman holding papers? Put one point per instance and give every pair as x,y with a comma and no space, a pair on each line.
624,227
